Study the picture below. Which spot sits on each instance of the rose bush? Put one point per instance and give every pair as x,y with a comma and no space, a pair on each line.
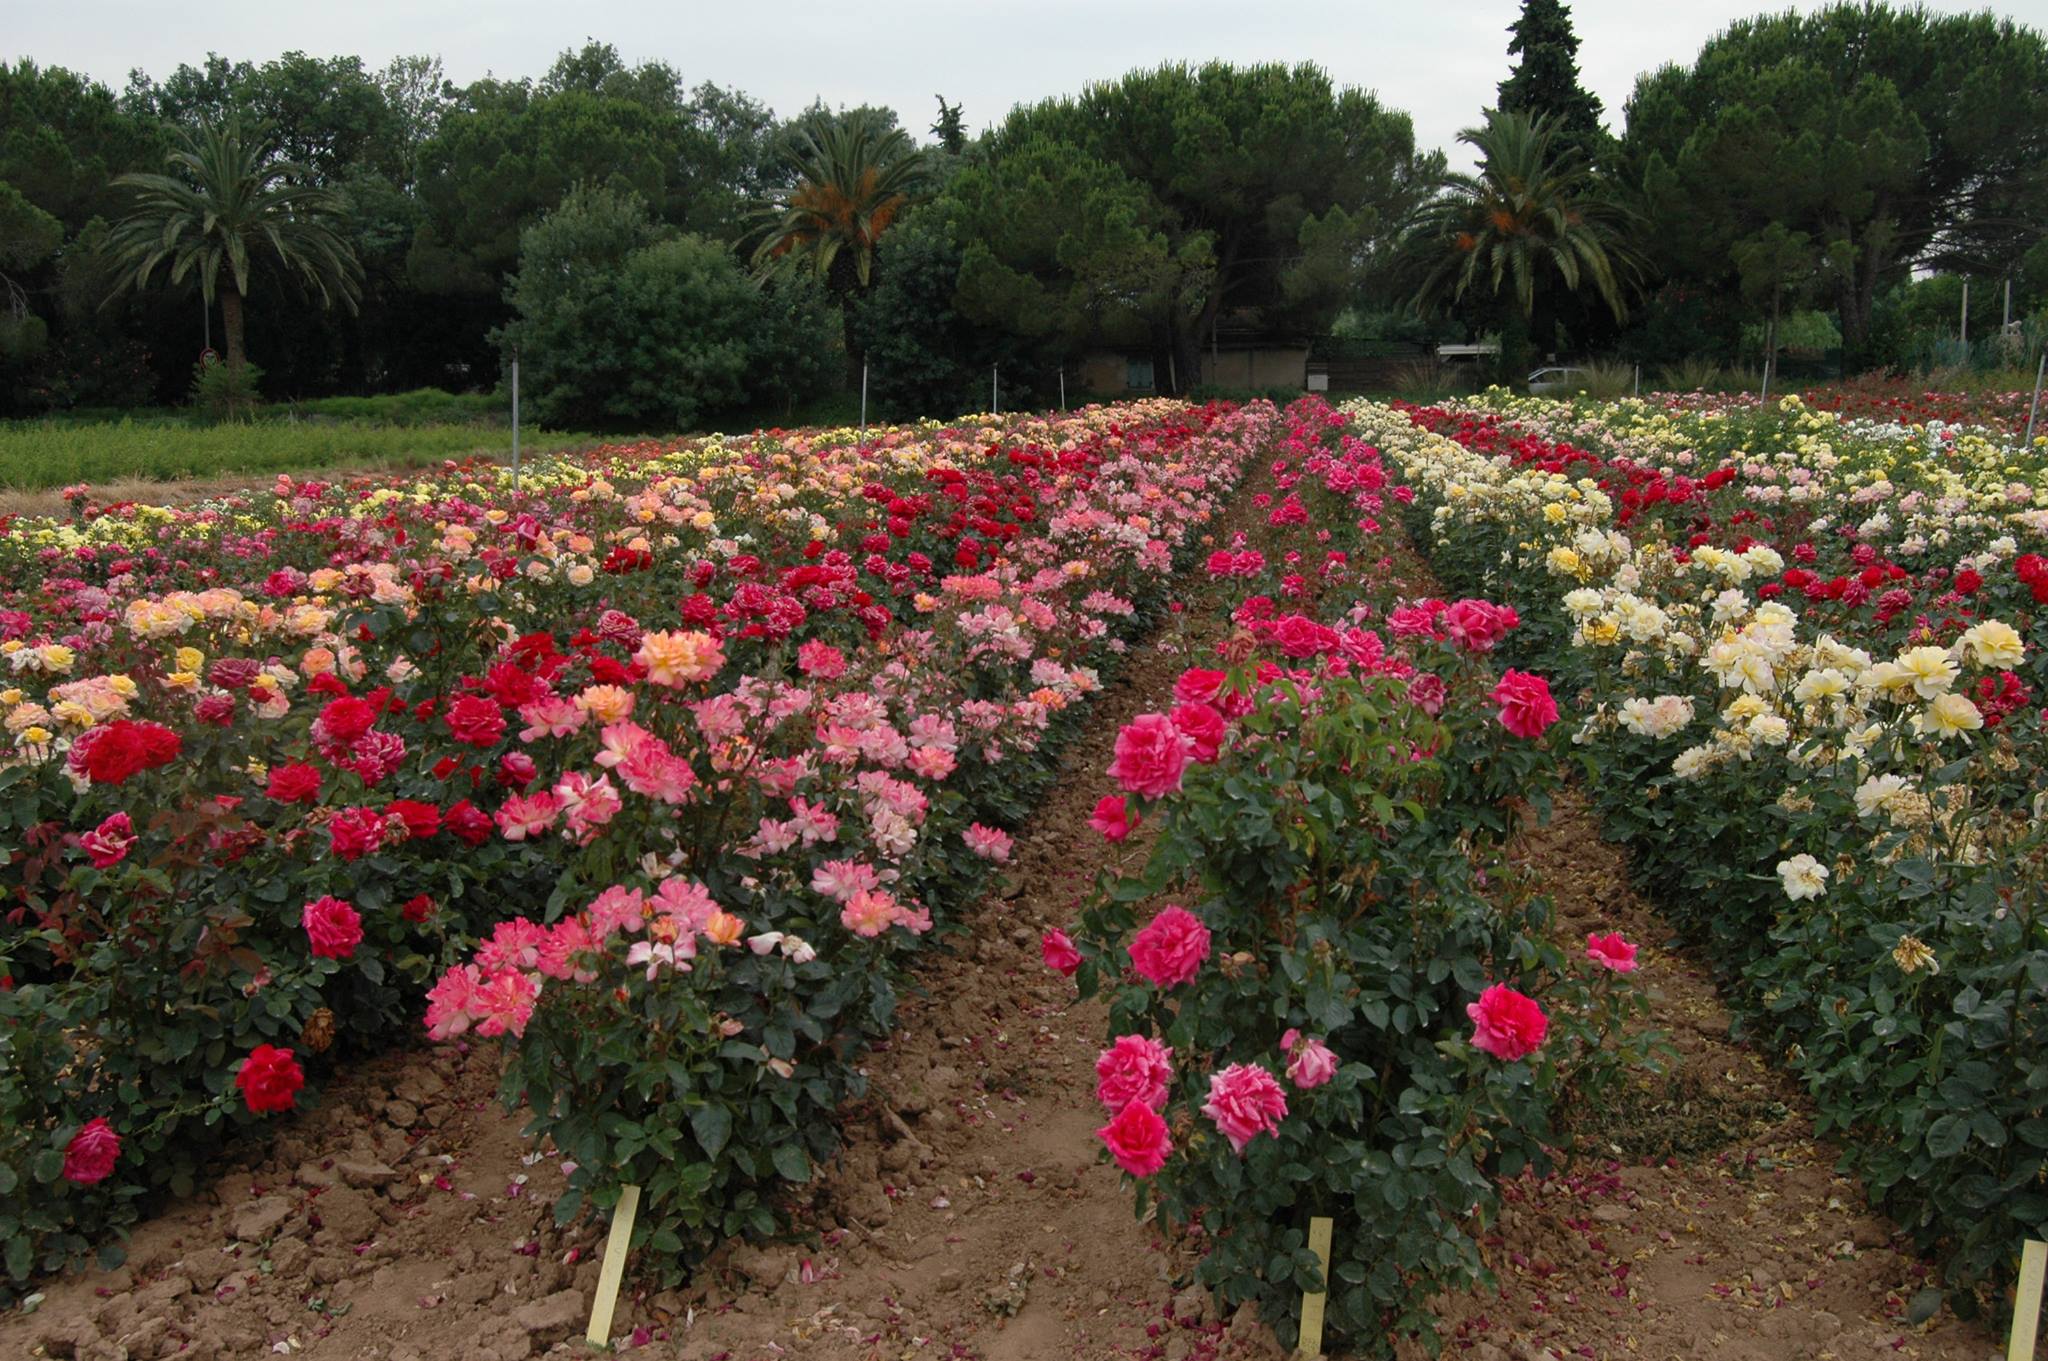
1809,651
1330,991
692,737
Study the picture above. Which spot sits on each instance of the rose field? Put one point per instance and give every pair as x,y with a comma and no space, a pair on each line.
987,888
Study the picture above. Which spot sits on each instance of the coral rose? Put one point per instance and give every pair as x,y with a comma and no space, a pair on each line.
1151,753
1611,952
1135,1068
333,927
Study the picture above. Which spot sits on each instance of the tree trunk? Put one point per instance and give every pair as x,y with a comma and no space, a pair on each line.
236,353
1514,349
231,327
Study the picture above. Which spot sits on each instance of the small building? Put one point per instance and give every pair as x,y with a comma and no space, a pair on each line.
1245,360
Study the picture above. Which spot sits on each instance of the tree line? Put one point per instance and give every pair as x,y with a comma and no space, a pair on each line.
658,253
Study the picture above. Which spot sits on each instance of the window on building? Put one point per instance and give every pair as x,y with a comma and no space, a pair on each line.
1138,374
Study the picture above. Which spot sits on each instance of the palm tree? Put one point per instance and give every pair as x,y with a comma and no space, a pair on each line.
230,201
1532,218
853,178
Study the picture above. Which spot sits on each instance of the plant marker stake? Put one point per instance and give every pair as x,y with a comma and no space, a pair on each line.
1639,382
1063,388
863,407
2035,405
1312,1302
2026,1305
617,1248
995,401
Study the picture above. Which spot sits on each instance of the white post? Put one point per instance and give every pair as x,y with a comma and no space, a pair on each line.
2008,302
863,405
1063,387
2035,405
1966,314
515,421
1639,382
995,398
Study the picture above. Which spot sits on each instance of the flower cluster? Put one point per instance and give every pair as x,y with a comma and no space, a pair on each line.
1807,644
681,739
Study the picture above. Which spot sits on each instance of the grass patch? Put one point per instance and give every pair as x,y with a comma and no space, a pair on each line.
41,455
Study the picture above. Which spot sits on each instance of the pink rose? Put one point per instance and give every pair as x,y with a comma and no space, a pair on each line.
92,1153
1429,692
1150,755
108,843
1476,625
333,927
1203,727
821,660
1299,636
1310,1062
1137,1139
1059,953
1526,707
1245,1101
1507,1024
1198,686
1611,952
1111,818
1135,1068
1169,950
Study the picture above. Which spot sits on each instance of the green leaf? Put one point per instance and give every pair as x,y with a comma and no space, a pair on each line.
792,1163
712,1126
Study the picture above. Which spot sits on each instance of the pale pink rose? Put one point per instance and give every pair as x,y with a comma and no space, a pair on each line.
1135,1068
1245,1101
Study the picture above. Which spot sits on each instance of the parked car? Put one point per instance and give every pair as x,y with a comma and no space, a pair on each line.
1557,379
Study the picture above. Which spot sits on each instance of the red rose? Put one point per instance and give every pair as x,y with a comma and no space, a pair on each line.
421,820
1059,953
355,832
333,928
1526,707
1137,1140
217,710
1507,1024
92,1153
475,721
1111,818
294,784
469,823
343,720
109,754
417,909
270,1079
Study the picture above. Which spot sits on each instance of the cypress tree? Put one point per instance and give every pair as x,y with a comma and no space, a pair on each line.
1545,81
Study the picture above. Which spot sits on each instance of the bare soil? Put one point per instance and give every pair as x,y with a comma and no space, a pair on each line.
970,1215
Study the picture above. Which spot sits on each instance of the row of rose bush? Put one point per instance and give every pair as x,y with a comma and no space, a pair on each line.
1331,991
695,740
1810,653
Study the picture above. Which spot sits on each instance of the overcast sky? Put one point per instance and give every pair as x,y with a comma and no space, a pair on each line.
1439,61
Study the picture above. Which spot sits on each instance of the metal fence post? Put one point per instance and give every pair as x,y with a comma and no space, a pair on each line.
515,422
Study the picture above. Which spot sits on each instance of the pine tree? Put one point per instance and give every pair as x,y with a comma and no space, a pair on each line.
1545,82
